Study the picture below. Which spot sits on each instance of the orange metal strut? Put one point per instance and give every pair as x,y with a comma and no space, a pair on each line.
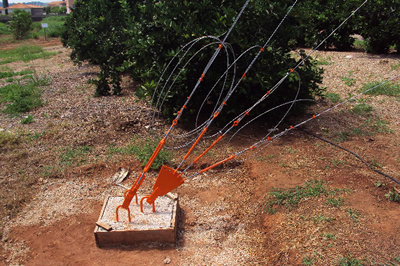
129,194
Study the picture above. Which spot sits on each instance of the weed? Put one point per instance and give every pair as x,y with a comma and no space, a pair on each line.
336,162
395,66
335,202
382,126
74,156
333,97
354,214
345,261
393,195
329,236
343,136
361,109
389,88
266,157
290,198
20,98
325,61
379,184
321,218
292,151
27,120
40,79
307,261
349,80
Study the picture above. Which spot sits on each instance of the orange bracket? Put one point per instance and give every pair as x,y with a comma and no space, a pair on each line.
168,179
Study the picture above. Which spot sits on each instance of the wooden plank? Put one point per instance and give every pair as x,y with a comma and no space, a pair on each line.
104,225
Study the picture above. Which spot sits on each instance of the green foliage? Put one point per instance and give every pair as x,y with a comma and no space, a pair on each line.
24,53
20,98
97,32
317,19
27,120
141,37
5,29
378,23
20,23
55,26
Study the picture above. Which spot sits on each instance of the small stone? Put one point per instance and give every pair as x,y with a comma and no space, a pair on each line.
167,260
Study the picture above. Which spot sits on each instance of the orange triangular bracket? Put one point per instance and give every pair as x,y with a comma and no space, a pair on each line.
168,179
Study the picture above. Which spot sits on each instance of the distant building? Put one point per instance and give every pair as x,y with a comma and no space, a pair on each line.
32,9
67,3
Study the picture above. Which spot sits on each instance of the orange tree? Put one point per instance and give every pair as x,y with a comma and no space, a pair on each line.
140,37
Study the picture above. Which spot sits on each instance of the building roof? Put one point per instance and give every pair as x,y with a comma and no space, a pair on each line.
23,6
56,3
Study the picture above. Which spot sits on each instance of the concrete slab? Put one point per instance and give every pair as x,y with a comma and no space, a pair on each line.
146,227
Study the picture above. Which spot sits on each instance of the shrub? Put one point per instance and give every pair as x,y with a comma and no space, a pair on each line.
317,19
5,29
379,25
141,37
20,23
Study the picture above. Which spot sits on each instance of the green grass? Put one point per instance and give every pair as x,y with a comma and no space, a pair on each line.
9,74
354,214
325,61
24,53
389,88
74,156
19,98
55,26
290,198
333,97
395,66
361,109
349,80
143,150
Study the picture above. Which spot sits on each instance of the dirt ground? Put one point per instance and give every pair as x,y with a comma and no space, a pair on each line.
51,202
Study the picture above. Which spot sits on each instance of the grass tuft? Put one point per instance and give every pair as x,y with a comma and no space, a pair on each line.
389,88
